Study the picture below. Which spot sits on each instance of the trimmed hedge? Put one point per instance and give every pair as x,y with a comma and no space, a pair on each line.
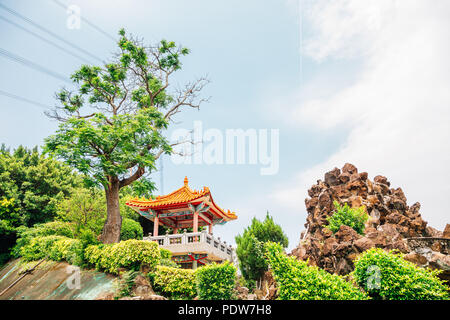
129,254
175,282
216,281
387,275
298,281
70,250
56,248
25,235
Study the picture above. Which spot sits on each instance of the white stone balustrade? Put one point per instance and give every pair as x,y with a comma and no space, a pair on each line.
195,242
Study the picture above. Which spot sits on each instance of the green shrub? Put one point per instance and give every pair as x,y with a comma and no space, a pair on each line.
57,248
95,255
25,235
175,283
70,250
387,275
250,246
298,281
344,215
129,254
216,281
39,247
87,237
131,230
166,259
124,284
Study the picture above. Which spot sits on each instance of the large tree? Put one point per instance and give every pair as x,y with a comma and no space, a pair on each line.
112,124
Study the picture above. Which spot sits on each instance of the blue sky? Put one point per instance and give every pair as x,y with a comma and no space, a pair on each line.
296,66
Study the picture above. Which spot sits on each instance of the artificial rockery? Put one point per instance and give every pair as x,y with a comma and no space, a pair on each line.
392,224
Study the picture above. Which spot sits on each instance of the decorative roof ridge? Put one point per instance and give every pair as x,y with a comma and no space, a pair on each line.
185,187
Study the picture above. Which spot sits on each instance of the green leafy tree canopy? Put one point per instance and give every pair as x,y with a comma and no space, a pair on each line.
112,126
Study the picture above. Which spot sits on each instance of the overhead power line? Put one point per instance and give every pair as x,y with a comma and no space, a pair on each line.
13,96
91,24
37,25
44,39
31,64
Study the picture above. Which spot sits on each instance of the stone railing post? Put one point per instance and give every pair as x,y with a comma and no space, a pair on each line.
203,236
184,237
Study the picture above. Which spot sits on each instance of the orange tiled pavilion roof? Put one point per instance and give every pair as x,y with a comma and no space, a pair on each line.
180,198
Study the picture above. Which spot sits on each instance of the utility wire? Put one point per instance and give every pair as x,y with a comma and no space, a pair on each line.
35,24
13,96
44,39
62,5
30,64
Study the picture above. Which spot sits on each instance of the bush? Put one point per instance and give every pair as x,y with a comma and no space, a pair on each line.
39,247
216,281
70,250
174,282
57,248
131,230
124,284
25,235
129,254
344,215
298,281
250,246
387,275
166,259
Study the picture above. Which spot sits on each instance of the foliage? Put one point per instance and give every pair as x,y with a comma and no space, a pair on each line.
175,283
344,215
129,254
31,185
250,246
166,259
36,183
66,249
111,127
216,281
387,275
57,248
9,216
86,208
39,247
130,230
298,281
124,284
25,235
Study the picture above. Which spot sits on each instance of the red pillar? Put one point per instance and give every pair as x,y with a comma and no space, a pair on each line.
195,224
210,228
155,226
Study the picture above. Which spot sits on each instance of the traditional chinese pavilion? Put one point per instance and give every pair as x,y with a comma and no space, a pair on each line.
182,209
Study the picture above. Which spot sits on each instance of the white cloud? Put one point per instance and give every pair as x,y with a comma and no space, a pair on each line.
398,111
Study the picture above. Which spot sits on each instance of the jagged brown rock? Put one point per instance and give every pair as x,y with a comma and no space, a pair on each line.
391,223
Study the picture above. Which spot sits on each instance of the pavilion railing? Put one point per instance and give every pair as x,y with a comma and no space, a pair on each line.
203,237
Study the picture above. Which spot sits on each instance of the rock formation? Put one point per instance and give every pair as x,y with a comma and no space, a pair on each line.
391,225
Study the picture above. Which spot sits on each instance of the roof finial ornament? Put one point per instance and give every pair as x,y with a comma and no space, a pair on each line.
186,181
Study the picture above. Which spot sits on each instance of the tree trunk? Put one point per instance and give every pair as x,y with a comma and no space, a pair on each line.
113,224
